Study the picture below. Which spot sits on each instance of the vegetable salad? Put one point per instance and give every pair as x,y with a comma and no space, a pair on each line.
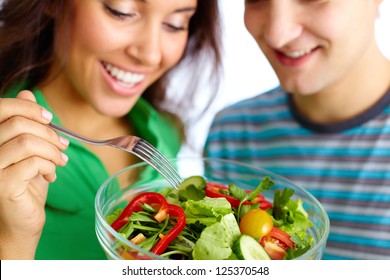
210,221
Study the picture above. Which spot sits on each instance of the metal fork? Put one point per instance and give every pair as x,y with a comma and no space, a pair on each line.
138,147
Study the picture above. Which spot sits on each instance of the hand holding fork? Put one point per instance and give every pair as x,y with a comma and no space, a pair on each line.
137,146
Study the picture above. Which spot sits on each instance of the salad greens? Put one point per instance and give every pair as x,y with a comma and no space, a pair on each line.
207,211
216,241
212,224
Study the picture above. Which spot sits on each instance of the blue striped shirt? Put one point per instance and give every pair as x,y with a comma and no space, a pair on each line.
346,166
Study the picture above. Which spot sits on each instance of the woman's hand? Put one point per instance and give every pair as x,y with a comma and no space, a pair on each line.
29,154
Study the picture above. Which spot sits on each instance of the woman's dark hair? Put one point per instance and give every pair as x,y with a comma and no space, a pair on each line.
27,29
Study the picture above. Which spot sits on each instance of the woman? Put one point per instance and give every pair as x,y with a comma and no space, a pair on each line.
84,65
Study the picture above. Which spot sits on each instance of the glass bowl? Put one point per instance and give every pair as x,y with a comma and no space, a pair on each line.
120,188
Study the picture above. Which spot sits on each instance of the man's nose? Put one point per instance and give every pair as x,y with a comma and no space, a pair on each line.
282,25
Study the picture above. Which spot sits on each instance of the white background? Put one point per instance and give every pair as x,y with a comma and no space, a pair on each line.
218,270
247,72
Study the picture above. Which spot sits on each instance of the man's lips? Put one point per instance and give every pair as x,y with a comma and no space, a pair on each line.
296,54
294,58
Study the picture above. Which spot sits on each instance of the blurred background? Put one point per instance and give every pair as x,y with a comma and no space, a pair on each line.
246,71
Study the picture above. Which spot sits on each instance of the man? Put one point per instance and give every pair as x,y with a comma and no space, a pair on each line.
327,127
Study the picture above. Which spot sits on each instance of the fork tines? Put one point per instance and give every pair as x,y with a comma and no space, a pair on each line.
151,155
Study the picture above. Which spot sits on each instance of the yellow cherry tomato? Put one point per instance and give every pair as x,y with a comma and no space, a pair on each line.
256,223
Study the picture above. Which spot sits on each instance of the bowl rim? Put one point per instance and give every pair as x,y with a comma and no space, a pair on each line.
99,215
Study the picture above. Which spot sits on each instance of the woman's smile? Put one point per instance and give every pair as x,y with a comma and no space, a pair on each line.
121,81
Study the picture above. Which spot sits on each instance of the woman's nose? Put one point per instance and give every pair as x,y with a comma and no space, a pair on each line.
145,47
282,26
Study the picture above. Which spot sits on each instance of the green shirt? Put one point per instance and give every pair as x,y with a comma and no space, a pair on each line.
69,231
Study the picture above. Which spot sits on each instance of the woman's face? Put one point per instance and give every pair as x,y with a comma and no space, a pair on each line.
119,48
314,45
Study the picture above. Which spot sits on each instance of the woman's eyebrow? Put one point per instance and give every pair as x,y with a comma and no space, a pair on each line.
189,9
181,10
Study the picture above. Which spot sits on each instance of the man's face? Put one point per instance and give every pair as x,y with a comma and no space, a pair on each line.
314,45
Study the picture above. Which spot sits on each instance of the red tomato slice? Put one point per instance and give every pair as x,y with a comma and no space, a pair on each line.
265,204
274,250
215,190
282,236
275,243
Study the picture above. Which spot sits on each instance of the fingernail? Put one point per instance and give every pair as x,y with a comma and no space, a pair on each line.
64,141
64,157
47,115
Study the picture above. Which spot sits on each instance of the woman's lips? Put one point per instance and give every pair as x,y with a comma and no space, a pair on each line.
121,81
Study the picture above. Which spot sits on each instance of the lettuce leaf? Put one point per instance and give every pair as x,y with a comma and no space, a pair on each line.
207,211
215,241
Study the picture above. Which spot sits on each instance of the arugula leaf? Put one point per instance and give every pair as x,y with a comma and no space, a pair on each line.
191,232
149,243
142,217
145,229
147,208
127,230
182,246
196,227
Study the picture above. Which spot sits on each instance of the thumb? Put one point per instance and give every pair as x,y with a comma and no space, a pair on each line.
26,94
29,96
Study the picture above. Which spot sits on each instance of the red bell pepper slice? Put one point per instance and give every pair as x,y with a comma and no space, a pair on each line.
216,190
150,198
173,211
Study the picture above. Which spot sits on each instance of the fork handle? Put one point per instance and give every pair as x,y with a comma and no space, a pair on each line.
75,135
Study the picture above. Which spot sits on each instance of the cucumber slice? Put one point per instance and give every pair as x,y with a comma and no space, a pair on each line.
198,181
245,247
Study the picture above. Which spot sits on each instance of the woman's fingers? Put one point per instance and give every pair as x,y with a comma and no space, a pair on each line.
27,145
29,154
24,136
24,105
16,179
18,125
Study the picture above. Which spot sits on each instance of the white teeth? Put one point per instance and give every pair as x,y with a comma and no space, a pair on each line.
296,54
124,76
